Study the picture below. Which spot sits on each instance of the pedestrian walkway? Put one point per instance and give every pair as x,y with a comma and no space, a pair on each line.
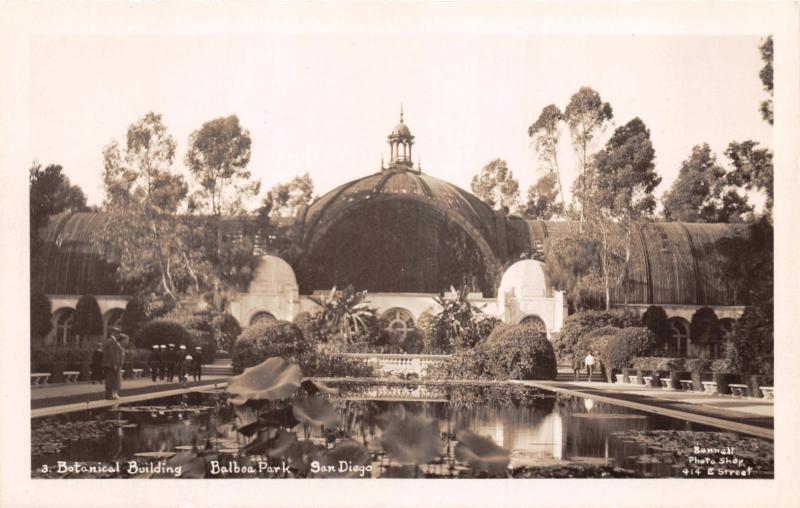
83,393
749,415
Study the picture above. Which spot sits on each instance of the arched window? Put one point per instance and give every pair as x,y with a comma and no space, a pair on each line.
534,321
400,322
679,328
65,336
261,316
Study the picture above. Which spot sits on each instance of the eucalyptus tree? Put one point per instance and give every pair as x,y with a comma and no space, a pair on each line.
496,185
545,133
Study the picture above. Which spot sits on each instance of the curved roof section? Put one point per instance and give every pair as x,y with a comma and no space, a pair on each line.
671,263
467,210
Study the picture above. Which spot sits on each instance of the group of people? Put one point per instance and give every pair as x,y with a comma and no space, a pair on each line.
167,361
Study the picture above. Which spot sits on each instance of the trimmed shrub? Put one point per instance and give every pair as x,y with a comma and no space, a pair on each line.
658,363
162,331
228,330
265,339
41,315
133,317
697,364
199,325
627,344
497,331
723,365
88,320
323,363
704,327
579,324
655,319
520,352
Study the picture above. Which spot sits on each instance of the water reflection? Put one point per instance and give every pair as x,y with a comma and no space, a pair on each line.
540,428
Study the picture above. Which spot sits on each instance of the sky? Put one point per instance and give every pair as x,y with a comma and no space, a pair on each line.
323,104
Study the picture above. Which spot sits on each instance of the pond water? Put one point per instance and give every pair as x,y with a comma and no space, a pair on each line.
547,434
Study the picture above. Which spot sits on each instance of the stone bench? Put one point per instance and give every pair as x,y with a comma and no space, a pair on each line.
71,376
648,380
738,390
686,384
769,392
621,378
39,378
710,387
666,383
137,373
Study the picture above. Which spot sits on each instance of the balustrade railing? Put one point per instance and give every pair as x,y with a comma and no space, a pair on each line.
402,365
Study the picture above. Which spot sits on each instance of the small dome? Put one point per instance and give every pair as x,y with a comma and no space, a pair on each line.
401,130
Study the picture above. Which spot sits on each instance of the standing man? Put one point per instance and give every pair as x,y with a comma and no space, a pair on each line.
589,362
577,366
154,362
97,364
113,358
172,359
162,368
197,363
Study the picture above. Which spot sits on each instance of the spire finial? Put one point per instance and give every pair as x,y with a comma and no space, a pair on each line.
401,111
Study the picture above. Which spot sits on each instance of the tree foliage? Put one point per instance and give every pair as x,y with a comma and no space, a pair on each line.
766,79
143,193
587,117
702,193
286,199
496,185
133,316
546,133
217,158
346,315
50,193
752,168
543,202
41,315
88,319
704,327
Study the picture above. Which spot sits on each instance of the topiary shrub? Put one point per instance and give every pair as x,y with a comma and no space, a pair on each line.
88,320
133,317
200,326
41,315
655,319
520,352
265,339
627,344
228,330
579,324
704,327
162,331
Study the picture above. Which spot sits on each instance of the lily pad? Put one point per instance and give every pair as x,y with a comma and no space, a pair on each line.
316,412
411,440
481,453
273,379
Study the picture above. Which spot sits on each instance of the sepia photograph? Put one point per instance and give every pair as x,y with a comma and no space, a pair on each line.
352,241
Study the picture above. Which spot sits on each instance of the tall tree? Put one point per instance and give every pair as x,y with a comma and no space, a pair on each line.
766,79
143,195
543,202
51,193
701,193
217,158
752,168
623,184
545,133
587,117
496,185
285,199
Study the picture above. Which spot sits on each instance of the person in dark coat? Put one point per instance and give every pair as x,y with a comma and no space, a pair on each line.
577,366
172,360
162,368
197,363
97,364
113,358
154,362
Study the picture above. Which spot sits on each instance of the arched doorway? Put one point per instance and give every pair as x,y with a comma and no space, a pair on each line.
681,342
261,316
535,322
65,334
400,322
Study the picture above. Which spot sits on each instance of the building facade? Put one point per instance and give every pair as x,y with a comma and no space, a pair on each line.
405,237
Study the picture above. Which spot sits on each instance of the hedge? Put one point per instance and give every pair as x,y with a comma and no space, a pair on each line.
41,315
265,339
625,345
579,324
520,352
88,320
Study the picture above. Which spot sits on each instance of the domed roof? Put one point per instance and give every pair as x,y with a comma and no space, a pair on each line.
468,211
401,130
